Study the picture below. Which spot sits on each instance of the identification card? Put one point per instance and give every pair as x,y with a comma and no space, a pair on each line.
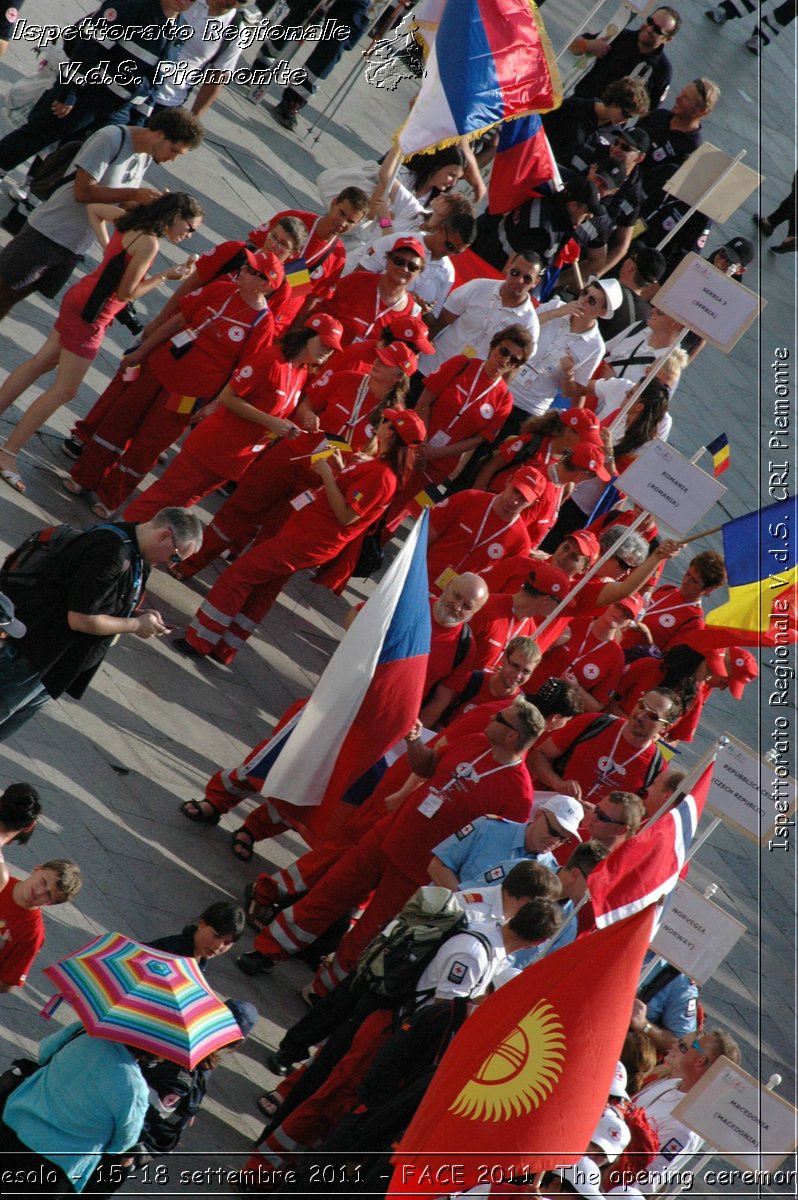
441,438
469,351
302,499
430,804
184,338
445,578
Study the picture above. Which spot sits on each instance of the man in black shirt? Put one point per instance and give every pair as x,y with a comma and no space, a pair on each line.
78,601
544,224
639,52
641,267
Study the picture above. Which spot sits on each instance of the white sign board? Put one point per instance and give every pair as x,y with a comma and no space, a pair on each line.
750,794
696,182
675,491
752,1127
710,303
694,934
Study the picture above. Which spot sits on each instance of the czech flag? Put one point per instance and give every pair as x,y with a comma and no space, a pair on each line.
488,61
368,696
523,1084
761,552
523,163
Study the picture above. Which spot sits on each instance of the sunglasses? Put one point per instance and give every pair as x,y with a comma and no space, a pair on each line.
451,248
526,278
175,557
553,830
684,1048
625,566
700,87
509,357
500,719
409,264
652,24
590,297
651,713
622,142
601,816
258,274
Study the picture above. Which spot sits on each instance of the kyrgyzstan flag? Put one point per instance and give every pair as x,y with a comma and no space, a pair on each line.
523,1084
647,866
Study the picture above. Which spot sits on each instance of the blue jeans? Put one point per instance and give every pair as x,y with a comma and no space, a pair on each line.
21,689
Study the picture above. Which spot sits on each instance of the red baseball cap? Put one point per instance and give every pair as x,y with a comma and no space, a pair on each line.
327,329
589,457
410,243
412,331
702,641
587,542
742,670
407,423
632,604
529,481
266,264
584,422
546,578
398,355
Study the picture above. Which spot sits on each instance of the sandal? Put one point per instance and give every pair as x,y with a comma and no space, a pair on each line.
195,812
257,916
269,1104
14,480
243,844
72,486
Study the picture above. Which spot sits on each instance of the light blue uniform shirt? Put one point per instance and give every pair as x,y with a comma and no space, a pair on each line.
486,850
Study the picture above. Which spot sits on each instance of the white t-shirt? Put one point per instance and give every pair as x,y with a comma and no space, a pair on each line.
535,384
480,313
630,353
464,965
198,51
676,1141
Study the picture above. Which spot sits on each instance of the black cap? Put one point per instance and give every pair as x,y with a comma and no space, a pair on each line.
650,263
583,191
636,137
738,250
10,623
613,173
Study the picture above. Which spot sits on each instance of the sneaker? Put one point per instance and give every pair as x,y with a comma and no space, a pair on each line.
752,43
255,963
72,447
310,997
285,116
256,94
278,1064
717,15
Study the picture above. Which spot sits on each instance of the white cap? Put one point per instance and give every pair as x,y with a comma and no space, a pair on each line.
620,1081
584,1177
569,812
612,290
612,1134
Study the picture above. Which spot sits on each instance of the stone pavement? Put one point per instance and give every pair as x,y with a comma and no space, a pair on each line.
154,727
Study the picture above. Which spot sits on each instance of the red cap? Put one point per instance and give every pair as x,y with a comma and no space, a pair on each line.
588,457
529,481
742,669
513,445
398,355
549,579
632,604
701,640
327,329
586,541
584,422
407,423
266,264
410,243
412,330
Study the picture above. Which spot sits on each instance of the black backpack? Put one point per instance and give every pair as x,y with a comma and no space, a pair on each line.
593,730
26,567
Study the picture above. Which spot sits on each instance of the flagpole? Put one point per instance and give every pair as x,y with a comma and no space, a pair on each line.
690,780
579,28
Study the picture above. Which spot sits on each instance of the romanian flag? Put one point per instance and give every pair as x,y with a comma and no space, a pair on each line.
523,163
524,1082
430,496
721,455
761,552
489,60
297,274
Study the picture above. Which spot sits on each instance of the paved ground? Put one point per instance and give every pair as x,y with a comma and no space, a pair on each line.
154,727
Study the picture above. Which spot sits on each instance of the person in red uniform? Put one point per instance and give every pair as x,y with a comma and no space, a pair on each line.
595,754
345,406
541,441
255,407
139,415
687,667
675,608
484,686
360,355
471,530
88,308
364,303
574,555
592,658
323,525
473,776
505,615
464,403
584,462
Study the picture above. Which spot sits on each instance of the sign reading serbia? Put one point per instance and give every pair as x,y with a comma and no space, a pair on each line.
710,303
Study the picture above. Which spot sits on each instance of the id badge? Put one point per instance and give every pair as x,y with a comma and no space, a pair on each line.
441,438
302,499
445,578
469,351
430,804
184,338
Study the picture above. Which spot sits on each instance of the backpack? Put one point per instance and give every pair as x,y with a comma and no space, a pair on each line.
392,963
53,170
593,730
30,563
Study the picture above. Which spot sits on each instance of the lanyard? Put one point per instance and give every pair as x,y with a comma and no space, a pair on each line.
491,536
379,314
469,401
607,765
356,407
664,607
310,261
467,772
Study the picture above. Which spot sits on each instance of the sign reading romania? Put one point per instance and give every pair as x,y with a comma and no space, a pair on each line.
522,1086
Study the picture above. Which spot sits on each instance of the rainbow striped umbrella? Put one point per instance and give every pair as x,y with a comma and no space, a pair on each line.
130,993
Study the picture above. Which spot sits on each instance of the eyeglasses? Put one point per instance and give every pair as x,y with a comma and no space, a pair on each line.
651,713
526,278
282,243
409,264
652,24
175,557
590,297
450,247
684,1048
509,356
622,142
553,830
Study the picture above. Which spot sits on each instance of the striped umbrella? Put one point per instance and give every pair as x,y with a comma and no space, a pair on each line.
131,993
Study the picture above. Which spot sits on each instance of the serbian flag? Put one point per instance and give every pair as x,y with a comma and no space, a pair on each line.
488,60
761,553
647,866
524,1082
369,694
523,163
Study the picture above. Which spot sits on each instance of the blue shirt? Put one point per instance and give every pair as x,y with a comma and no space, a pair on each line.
675,1006
485,850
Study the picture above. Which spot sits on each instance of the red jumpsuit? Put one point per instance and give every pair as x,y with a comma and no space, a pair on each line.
313,535
225,444
357,304
132,423
471,537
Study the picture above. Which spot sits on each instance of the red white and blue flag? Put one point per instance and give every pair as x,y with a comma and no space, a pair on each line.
369,694
523,164
647,867
489,60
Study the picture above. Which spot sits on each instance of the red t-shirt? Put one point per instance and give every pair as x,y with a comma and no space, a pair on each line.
444,642
227,330
368,488
483,695
325,260
344,405
466,404
361,311
542,513
471,537
596,665
216,260
604,763
668,614
228,443
467,784
647,673
21,936
493,627
357,357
